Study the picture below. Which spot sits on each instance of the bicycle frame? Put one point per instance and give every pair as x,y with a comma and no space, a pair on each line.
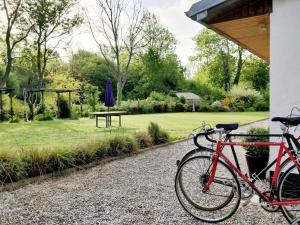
282,151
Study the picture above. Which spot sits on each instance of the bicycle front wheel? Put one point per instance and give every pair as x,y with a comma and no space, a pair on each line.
215,205
289,189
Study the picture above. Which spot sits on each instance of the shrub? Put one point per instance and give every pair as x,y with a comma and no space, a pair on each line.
63,110
102,148
179,107
60,159
18,107
146,106
157,135
89,151
11,167
182,100
189,106
204,106
242,97
14,119
36,162
85,153
121,144
159,107
44,117
257,150
91,96
218,107
216,104
76,109
226,102
204,89
134,108
171,103
157,96
74,115
144,140
261,105
250,109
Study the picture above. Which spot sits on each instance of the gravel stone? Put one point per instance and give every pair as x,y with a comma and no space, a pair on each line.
134,190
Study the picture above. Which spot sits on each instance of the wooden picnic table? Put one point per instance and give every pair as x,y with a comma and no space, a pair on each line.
108,116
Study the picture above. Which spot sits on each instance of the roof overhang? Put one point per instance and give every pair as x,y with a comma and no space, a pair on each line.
245,22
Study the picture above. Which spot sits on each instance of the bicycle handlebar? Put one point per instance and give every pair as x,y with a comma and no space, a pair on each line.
206,135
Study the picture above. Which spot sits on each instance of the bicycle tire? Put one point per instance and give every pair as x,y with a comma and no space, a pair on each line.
286,189
179,190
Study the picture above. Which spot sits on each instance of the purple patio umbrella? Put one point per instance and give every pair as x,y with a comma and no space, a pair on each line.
109,100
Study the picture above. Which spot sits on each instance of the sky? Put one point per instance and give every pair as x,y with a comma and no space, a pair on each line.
171,14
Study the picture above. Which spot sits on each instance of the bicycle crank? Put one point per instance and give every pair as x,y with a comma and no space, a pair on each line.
267,206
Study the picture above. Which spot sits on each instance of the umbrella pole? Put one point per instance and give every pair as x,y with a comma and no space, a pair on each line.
108,118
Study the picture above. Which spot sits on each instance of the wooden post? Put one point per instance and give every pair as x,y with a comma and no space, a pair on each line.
11,105
43,101
70,105
81,101
1,107
57,105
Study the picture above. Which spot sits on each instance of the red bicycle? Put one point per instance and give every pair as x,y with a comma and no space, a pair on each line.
210,188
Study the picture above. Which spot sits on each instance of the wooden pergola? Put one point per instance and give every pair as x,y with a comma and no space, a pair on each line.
8,91
58,93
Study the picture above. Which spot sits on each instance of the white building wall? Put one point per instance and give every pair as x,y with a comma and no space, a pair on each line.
284,59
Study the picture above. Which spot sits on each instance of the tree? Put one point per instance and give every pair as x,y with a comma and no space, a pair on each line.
16,29
156,36
53,20
256,73
157,67
120,27
220,58
92,68
152,72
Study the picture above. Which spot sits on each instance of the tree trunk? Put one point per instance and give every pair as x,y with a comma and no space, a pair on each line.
226,72
226,76
7,69
6,74
119,92
239,67
39,61
1,107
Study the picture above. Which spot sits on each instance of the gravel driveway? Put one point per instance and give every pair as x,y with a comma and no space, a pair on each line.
134,190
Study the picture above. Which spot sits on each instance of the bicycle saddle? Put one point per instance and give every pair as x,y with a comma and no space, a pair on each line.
291,121
228,126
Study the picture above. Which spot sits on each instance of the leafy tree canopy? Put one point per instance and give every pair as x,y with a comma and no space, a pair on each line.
91,68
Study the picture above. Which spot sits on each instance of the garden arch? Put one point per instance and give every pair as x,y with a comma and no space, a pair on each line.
26,91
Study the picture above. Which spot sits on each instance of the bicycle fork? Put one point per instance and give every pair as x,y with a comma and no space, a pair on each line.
213,169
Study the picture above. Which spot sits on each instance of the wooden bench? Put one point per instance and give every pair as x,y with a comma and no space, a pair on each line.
108,116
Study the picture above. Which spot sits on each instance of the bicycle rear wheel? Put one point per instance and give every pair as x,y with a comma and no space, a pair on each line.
215,205
289,188
203,151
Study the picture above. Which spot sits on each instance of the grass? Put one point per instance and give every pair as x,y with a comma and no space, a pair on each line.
58,133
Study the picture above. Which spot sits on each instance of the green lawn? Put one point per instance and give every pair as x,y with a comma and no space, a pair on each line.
67,132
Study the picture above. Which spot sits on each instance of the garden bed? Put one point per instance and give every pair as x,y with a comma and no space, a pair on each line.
25,161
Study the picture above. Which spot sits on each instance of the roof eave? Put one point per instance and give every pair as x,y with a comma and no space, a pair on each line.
199,10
